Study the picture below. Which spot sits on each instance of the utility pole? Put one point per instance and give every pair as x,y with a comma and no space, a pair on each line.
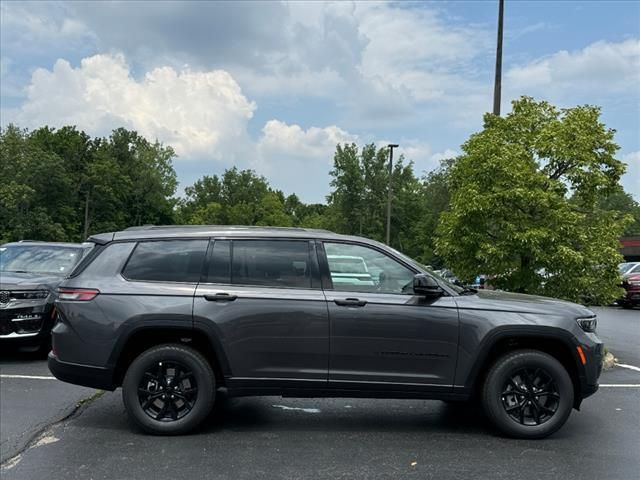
497,89
391,146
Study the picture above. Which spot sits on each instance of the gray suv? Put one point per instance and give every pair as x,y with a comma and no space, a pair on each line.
178,315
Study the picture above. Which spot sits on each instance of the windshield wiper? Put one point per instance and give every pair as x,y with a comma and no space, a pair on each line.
468,291
15,271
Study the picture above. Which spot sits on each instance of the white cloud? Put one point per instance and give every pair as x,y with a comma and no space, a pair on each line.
631,179
195,112
603,67
278,138
299,160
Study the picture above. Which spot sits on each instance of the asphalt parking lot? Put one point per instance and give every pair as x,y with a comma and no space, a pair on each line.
49,430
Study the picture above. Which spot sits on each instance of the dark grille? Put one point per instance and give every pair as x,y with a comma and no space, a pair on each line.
5,296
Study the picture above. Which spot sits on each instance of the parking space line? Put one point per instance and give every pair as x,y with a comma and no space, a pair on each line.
630,367
620,385
29,377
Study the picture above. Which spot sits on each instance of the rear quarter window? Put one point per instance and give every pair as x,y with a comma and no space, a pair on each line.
167,261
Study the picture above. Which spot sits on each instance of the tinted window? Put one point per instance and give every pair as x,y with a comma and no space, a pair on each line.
362,269
220,262
271,263
167,261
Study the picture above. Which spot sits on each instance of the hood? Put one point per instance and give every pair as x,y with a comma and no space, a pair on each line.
632,276
28,281
498,300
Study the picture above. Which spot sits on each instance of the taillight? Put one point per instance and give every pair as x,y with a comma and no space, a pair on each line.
77,294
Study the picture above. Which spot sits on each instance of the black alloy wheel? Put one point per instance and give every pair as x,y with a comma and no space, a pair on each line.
168,391
527,394
530,396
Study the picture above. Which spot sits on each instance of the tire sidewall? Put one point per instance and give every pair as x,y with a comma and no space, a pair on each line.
204,379
503,369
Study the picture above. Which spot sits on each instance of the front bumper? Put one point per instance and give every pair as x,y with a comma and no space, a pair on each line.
590,373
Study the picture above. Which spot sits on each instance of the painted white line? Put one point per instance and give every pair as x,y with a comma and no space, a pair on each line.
306,410
630,367
620,385
29,377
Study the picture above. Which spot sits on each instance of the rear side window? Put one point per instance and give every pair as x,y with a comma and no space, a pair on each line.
167,261
277,263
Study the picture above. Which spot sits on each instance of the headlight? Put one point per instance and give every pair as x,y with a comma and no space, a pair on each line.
588,324
30,294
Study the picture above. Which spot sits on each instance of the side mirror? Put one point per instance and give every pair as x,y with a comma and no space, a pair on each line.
426,285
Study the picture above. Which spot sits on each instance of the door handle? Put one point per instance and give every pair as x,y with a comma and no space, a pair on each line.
218,297
350,302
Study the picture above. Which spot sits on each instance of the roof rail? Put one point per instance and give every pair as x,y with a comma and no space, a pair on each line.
239,227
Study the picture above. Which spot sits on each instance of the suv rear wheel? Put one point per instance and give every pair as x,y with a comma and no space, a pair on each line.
528,394
169,390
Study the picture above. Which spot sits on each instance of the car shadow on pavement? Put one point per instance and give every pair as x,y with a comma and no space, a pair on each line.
9,354
350,415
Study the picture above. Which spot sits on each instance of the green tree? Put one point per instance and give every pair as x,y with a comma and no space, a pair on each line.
358,201
622,202
524,204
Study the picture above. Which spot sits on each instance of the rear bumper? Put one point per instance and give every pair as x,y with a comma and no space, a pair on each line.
85,375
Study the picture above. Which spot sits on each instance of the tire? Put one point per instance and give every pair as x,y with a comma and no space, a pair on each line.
163,373
513,407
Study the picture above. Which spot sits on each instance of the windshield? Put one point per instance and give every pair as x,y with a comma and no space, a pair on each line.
49,260
626,267
430,271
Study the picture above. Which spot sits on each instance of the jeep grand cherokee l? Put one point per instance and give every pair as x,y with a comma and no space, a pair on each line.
29,275
175,315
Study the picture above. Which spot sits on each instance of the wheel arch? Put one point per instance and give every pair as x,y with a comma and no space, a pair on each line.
553,341
142,338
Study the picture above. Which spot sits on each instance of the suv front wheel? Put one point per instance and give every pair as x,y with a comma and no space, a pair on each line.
169,390
528,394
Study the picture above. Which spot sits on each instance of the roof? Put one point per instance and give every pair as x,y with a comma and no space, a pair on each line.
37,243
199,231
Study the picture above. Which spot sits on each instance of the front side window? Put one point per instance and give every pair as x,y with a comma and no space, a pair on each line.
167,261
274,263
39,259
363,269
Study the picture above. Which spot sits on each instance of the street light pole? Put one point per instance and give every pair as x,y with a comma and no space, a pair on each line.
391,146
497,89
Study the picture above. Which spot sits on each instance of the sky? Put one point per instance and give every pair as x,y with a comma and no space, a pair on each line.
273,86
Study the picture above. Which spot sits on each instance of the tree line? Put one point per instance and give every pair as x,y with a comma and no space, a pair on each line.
534,200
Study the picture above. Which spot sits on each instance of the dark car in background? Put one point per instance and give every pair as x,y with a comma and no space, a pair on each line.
631,285
29,275
177,316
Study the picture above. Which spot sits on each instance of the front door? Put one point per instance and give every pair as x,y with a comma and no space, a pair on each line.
381,333
263,300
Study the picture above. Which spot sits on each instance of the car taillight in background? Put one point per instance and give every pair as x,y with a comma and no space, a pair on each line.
77,294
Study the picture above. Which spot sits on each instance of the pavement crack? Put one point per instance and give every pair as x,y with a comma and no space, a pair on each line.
43,434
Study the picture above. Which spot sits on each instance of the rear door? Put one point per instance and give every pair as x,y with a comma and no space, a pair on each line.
382,335
263,299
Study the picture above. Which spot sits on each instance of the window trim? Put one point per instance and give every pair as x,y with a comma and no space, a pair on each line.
327,282
315,280
138,242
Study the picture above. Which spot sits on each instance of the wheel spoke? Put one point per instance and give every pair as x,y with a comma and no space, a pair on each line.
513,407
533,408
548,394
162,411
149,400
515,386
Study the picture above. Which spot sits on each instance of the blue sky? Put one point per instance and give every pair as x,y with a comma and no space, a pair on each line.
274,86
